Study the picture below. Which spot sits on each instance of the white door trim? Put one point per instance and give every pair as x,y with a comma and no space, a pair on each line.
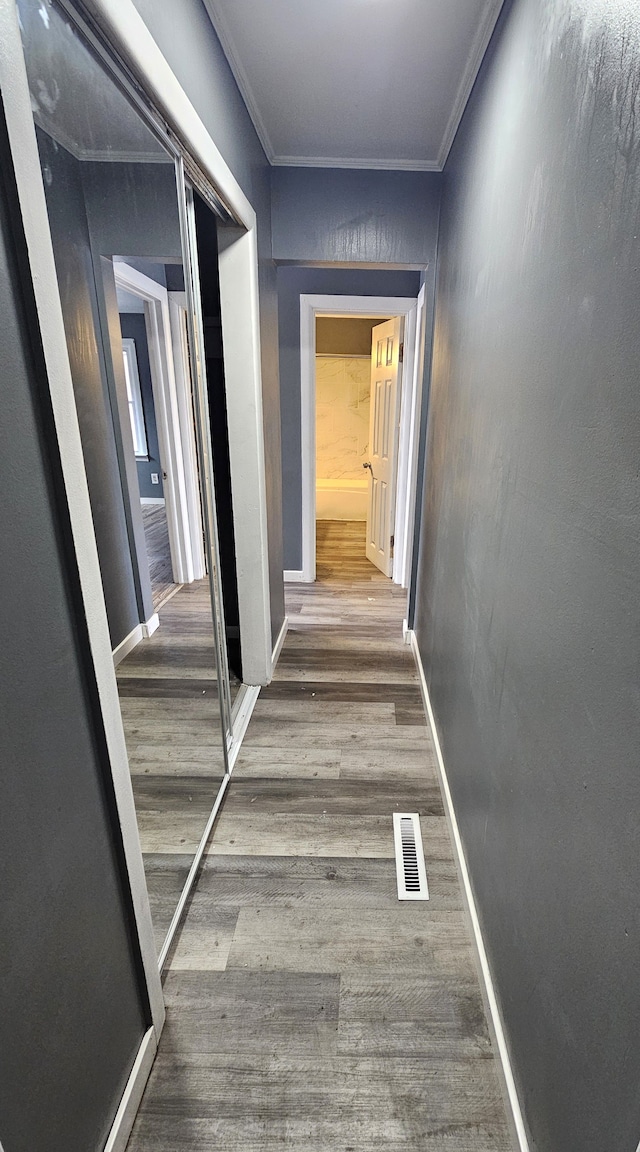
310,307
238,268
182,371
409,437
179,485
22,137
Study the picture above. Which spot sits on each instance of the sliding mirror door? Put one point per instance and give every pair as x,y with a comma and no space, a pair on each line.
117,220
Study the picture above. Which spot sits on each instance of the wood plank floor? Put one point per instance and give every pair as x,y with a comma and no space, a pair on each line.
308,1009
156,535
169,703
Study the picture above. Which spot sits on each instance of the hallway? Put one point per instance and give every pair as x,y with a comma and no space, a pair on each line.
306,1007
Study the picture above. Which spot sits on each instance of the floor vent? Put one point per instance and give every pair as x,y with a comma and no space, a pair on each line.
410,869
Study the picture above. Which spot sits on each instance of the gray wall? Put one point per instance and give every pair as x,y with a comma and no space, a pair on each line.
292,283
193,51
98,210
72,1012
528,613
76,280
340,215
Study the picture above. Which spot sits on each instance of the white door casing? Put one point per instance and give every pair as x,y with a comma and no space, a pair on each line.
174,460
312,306
384,424
182,371
410,406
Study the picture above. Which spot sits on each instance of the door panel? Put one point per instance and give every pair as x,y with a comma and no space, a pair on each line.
384,422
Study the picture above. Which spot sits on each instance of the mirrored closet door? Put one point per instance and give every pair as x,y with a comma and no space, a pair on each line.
118,216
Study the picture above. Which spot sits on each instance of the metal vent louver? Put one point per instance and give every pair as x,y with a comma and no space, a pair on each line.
410,868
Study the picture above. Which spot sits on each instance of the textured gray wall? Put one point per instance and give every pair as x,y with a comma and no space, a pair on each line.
292,283
76,279
193,51
528,613
341,215
71,1009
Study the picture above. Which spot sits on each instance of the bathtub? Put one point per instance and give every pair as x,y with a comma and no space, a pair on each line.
341,499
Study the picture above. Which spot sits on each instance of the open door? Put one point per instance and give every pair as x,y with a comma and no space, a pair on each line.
384,421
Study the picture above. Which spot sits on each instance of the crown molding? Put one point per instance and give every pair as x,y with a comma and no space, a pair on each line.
356,162
240,76
474,60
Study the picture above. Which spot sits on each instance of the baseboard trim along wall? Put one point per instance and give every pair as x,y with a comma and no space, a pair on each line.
127,645
277,648
140,632
242,713
126,1114
295,576
494,1017
150,626
152,500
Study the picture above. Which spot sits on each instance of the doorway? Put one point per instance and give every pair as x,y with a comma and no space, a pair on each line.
343,437
347,497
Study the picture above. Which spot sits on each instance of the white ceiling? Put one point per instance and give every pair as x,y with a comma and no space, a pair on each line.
355,83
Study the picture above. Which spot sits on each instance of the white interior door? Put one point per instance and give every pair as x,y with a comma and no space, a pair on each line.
384,420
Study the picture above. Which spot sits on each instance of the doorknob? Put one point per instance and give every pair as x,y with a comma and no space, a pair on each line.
367,464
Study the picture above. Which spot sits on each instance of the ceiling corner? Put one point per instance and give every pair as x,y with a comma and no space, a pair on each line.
240,77
474,61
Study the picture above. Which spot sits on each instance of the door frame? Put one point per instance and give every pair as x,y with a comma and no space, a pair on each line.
174,415
178,320
414,337
312,306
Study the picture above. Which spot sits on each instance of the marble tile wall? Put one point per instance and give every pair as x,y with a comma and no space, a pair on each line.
342,416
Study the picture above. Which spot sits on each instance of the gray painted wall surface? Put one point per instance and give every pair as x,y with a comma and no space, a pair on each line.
292,283
193,51
329,215
133,211
76,280
528,610
71,1009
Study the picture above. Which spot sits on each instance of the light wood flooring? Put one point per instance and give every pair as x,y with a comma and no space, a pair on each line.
156,535
308,1009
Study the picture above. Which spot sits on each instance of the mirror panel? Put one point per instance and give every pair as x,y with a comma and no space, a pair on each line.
115,217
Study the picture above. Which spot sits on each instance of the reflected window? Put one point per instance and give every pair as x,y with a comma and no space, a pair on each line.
134,399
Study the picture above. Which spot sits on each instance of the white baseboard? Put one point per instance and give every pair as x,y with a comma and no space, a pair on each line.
127,645
295,576
406,632
126,1114
494,1017
277,648
140,632
150,626
152,500
242,712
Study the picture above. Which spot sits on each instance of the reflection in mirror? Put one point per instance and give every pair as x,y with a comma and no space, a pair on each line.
206,237
111,197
